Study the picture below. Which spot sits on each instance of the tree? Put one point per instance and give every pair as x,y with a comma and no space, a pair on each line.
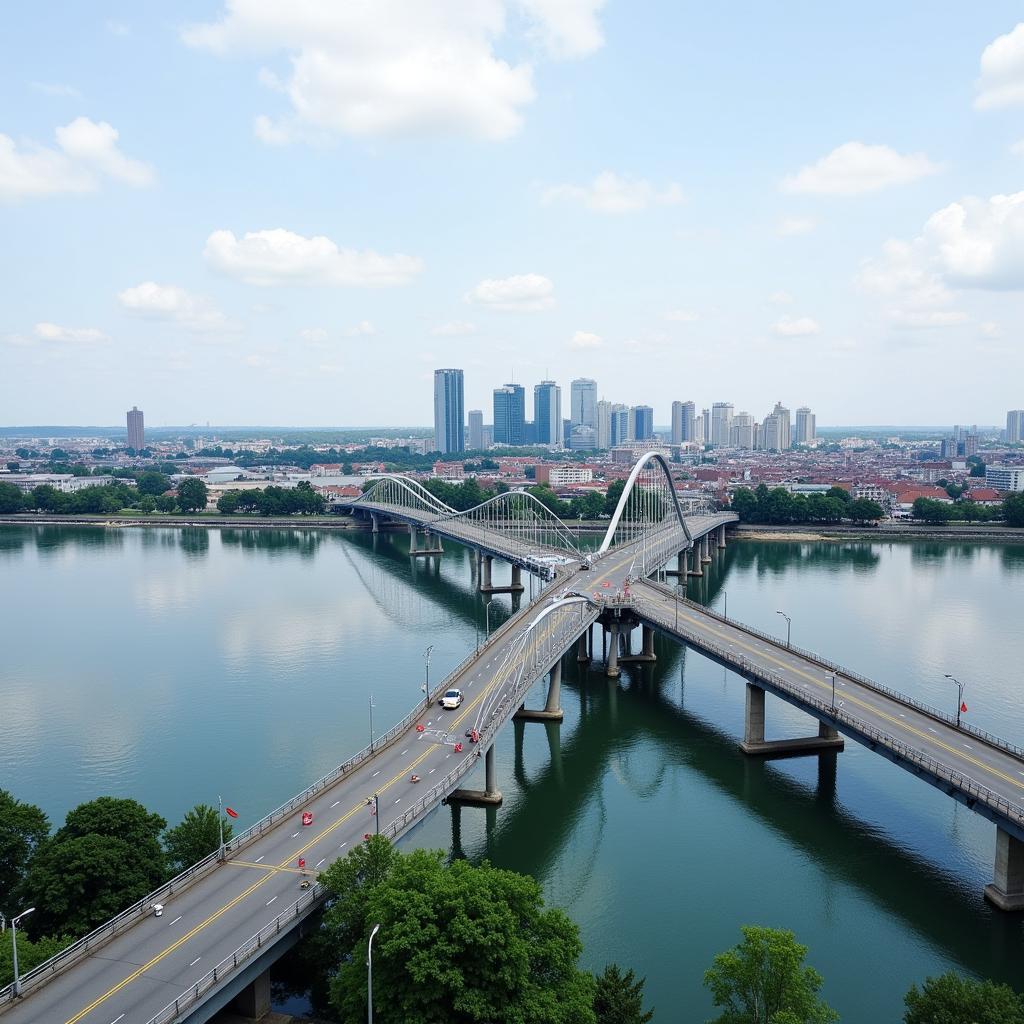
840,493
165,503
30,954
23,828
458,943
227,503
13,467
195,836
11,499
153,483
951,999
192,495
744,504
619,998
106,856
763,981
147,504
615,489
933,512
1013,509
863,510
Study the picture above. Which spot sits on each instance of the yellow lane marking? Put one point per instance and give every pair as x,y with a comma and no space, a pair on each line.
860,703
262,867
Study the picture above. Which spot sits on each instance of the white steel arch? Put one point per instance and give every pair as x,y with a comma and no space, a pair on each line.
521,515
404,492
666,485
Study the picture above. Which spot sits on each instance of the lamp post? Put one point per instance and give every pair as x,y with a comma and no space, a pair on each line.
789,626
220,825
369,975
14,940
376,812
426,667
371,722
487,616
725,595
833,691
959,697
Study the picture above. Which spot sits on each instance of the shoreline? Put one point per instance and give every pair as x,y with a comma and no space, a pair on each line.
873,534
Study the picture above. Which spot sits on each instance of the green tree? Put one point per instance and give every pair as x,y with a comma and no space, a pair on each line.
619,998
863,510
763,980
165,503
192,495
153,483
227,503
933,512
840,494
147,504
458,944
615,489
30,954
13,467
11,499
23,828
195,836
951,999
106,856
744,504
1013,509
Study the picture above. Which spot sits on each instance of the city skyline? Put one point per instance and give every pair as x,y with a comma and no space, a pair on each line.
532,219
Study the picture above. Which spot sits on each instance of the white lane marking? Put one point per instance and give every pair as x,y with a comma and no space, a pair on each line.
320,861
194,962
335,804
261,856
294,834
399,800
271,900
175,921
406,751
968,746
343,845
432,770
116,1019
902,715
930,729
447,756
376,773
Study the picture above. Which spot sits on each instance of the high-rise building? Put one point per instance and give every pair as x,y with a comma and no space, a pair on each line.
741,433
510,415
583,401
705,415
806,430
947,449
582,437
136,429
449,417
721,424
547,413
1004,478
643,422
677,422
604,424
689,421
785,430
619,432
1015,426
476,429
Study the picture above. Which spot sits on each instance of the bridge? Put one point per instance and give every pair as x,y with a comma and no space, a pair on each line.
228,918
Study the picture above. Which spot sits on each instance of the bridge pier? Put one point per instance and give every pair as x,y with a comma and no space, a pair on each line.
552,706
415,550
612,667
253,1002
375,522
721,537
705,553
1006,891
754,744
582,655
696,562
487,585
489,796
647,651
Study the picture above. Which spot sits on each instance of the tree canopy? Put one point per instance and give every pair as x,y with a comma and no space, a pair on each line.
952,999
23,828
195,836
619,997
192,495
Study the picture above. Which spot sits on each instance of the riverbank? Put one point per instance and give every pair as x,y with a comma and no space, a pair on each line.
961,532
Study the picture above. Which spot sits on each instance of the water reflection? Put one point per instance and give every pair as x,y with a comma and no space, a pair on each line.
778,557
301,542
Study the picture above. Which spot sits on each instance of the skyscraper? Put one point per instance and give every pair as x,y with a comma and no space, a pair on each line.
476,429
785,430
604,424
449,417
510,415
583,401
136,429
677,422
547,413
721,424
806,430
705,416
741,434
643,422
619,425
1014,426
689,421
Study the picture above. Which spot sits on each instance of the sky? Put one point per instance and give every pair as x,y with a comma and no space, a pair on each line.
268,212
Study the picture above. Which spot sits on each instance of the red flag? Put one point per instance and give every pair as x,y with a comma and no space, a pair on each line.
231,813
963,706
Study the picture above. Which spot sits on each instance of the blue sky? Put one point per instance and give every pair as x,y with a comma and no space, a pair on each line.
291,213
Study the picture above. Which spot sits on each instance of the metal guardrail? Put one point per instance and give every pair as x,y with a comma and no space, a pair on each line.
870,684
1011,811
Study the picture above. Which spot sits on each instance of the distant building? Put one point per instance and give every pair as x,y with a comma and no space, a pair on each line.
583,402
449,417
136,429
643,422
705,421
619,427
1015,426
689,425
806,426
785,429
1005,478
476,429
66,483
947,449
547,413
721,424
582,438
677,423
741,434
510,415
604,424
563,475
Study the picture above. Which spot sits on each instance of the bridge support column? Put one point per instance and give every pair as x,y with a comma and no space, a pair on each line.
705,553
489,796
612,668
1006,891
412,539
253,1002
485,573
695,560
721,537
828,740
581,650
517,577
487,585
552,706
432,545
375,521
647,651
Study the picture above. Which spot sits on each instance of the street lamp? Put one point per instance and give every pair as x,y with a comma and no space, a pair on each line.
369,975
833,691
959,697
789,626
487,616
426,665
14,940
679,587
371,722
725,594
376,812
220,825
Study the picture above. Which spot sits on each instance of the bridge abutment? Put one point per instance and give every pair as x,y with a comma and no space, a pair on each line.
754,744
1006,891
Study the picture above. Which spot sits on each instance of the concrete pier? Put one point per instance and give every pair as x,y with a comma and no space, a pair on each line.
487,584
582,655
429,549
705,550
490,796
755,745
552,711
612,668
1006,891
647,651
253,1002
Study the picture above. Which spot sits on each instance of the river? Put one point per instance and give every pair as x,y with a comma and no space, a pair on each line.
173,665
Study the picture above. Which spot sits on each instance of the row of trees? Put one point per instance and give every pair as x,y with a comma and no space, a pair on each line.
148,495
108,854
274,501
935,513
778,505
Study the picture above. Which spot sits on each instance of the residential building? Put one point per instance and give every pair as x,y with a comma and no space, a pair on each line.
947,449
604,424
449,417
643,422
689,424
563,475
721,424
136,429
582,438
547,413
66,483
619,432
510,415
677,422
476,430
706,419
583,399
785,430
806,426
741,433
1005,478
1015,426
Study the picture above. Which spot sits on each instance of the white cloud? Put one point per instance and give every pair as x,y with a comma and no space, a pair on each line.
796,327
790,226
279,257
363,329
118,28
781,299
398,67
169,302
54,332
990,329
87,151
256,361
682,316
609,193
1017,148
1001,83
926,319
520,293
584,339
453,329
314,334
854,168
56,89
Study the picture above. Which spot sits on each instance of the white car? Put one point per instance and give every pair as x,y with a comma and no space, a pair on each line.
451,699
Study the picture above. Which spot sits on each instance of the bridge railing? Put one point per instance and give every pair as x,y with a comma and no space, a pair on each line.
1011,811
870,684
